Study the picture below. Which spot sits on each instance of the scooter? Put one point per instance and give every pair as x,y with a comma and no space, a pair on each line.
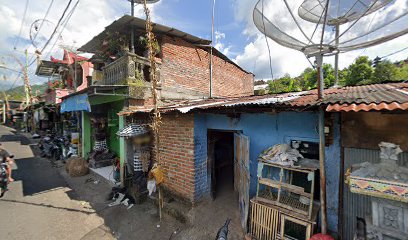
61,149
4,177
46,145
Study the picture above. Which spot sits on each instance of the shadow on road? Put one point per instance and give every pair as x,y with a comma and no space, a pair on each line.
48,206
37,176
15,138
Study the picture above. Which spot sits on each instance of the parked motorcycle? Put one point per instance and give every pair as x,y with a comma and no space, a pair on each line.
4,178
46,146
61,149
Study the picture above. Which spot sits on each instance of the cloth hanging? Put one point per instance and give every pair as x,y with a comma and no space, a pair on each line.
100,145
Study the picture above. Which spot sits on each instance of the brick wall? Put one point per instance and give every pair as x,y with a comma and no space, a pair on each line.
186,66
177,154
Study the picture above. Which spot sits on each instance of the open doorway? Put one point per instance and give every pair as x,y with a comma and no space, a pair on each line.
221,162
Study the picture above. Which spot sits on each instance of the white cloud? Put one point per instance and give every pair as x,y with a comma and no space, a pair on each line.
255,56
219,45
87,21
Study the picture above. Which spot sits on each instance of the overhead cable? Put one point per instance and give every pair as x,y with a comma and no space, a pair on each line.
44,18
403,49
21,25
63,27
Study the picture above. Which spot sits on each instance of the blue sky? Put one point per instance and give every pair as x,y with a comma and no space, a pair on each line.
236,35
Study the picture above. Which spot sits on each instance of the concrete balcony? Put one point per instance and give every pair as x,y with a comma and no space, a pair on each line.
132,70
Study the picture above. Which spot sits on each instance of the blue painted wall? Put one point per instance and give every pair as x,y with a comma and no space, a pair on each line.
265,130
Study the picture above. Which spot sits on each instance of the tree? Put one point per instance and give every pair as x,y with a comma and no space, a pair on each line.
402,72
309,77
343,76
384,71
328,74
285,84
360,71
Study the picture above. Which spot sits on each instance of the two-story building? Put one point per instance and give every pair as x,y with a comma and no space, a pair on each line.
65,76
120,89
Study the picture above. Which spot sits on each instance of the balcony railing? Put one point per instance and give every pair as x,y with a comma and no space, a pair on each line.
132,70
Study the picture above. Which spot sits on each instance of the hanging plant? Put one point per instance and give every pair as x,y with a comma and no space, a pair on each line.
114,45
56,84
155,45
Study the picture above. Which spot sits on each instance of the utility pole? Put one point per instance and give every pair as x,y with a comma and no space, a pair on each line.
211,49
132,30
336,56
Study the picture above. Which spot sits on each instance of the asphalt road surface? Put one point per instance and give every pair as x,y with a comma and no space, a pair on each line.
39,204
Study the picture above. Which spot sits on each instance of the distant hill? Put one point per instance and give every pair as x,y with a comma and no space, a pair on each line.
18,93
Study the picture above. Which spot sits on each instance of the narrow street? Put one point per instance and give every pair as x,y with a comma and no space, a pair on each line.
39,204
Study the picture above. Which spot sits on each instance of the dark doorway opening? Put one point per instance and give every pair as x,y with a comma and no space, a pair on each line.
221,156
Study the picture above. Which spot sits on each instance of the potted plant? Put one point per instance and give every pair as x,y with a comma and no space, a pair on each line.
155,44
114,46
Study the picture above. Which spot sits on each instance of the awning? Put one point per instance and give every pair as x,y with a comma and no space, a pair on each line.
76,103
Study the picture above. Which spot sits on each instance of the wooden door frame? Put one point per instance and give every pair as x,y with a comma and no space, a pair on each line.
210,160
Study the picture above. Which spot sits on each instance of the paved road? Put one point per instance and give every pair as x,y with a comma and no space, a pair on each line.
39,204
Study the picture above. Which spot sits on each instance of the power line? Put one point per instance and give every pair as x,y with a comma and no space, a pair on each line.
403,49
56,27
21,25
44,18
63,27
55,30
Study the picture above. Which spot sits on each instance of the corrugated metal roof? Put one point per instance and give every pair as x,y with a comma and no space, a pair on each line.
388,96
375,97
122,25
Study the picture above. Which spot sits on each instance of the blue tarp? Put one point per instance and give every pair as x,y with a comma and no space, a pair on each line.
76,103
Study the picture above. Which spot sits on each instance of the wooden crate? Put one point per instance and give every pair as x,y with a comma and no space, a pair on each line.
265,221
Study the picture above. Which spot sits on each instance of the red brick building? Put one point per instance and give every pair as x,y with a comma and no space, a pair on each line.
183,68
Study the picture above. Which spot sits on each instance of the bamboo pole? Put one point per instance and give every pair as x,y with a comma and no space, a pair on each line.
153,74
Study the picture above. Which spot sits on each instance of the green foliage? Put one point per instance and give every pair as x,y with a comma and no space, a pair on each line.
360,71
384,71
18,93
155,44
309,77
402,72
114,44
344,74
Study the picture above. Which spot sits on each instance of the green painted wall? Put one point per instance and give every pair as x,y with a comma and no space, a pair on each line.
96,100
122,150
113,105
113,126
86,134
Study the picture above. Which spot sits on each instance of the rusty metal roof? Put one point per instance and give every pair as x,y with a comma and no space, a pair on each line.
378,97
122,25
374,97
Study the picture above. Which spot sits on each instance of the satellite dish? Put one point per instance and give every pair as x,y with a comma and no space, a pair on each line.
303,31
339,12
142,1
